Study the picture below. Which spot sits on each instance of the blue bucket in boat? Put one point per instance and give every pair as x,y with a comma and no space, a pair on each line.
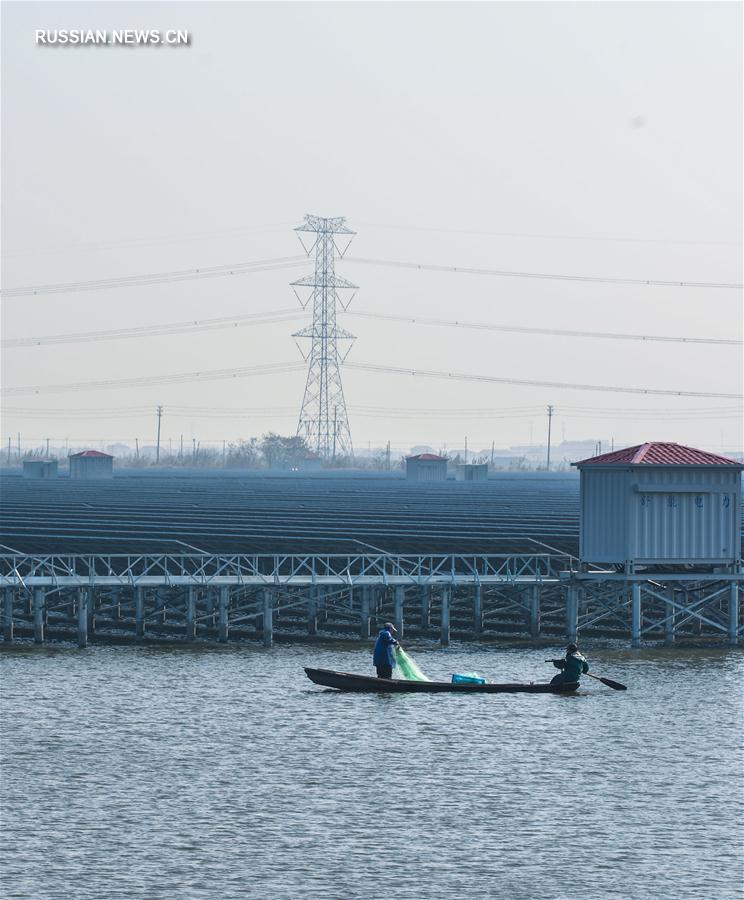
467,678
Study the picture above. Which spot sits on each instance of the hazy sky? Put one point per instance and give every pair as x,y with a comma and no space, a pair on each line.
576,138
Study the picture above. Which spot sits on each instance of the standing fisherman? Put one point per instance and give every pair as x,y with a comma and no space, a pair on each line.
382,658
574,665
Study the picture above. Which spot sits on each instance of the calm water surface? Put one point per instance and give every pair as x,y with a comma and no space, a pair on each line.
132,772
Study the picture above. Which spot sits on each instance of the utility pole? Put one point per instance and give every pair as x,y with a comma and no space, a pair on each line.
387,457
323,430
180,452
224,453
19,446
136,447
8,449
47,449
193,449
157,446
466,449
493,447
550,419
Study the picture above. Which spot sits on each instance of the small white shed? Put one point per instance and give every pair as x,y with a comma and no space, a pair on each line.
40,468
660,503
426,467
472,472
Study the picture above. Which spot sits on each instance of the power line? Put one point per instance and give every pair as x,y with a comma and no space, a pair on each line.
552,237
491,379
281,368
289,314
562,332
291,261
111,334
149,380
594,279
263,265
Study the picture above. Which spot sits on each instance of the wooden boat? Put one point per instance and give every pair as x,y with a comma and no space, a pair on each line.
345,681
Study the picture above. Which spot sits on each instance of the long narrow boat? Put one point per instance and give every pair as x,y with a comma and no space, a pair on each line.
345,681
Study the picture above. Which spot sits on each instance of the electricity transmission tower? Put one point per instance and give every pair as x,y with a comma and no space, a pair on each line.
323,420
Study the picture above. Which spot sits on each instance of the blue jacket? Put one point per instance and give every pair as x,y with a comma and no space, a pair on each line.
383,654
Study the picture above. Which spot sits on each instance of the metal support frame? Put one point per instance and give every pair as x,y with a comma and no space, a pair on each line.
540,595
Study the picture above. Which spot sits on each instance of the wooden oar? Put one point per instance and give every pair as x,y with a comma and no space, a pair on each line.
615,685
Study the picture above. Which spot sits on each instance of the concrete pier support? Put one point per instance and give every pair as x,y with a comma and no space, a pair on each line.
91,611
534,598
312,611
116,604
190,614
572,613
268,618
139,611
223,600
635,615
83,601
733,614
364,614
478,609
670,617
425,596
8,615
398,598
444,637
38,615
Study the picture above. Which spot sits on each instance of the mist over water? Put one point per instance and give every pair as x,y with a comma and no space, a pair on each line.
223,772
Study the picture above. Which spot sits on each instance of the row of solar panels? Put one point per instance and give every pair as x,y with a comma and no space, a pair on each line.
144,514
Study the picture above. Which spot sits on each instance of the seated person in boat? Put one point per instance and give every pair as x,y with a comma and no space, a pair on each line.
574,665
382,658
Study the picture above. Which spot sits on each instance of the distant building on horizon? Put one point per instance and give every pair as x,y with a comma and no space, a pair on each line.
40,468
426,467
91,464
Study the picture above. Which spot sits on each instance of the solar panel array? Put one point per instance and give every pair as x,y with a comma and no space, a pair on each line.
262,513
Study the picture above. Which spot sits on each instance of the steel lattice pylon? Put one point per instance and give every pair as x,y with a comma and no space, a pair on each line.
323,419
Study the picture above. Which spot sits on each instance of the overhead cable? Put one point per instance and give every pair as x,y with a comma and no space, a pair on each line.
560,332
262,265
552,237
594,279
292,313
492,379
149,380
84,337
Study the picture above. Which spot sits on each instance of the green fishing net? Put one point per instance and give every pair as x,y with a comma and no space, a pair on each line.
407,668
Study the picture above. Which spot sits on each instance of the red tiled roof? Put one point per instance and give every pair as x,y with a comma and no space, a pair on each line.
88,454
428,457
658,453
